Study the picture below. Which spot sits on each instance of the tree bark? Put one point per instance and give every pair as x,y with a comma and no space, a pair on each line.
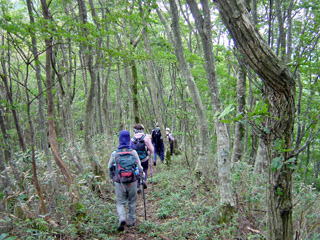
202,161
279,89
261,161
90,100
239,127
4,78
151,74
5,157
51,122
42,125
203,24
42,208
134,87
281,46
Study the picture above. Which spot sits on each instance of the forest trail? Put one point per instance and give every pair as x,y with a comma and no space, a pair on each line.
136,232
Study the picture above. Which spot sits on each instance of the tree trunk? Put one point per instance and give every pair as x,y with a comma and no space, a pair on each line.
134,88
98,66
119,92
42,125
4,78
223,145
239,128
90,100
202,161
151,75
5,136
66,106
51,122
42,208
261,161
281,46
279,90
5,157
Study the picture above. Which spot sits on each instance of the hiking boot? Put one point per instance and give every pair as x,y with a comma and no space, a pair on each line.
144,185
139,191
121,226
154,164
131,224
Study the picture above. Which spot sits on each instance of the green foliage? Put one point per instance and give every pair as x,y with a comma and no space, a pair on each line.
5,236
147,226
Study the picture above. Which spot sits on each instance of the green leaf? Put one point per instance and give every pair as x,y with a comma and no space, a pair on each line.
3,236
226,111
276,163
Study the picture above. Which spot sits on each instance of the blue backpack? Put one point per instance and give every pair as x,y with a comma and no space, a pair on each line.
125,166
139,145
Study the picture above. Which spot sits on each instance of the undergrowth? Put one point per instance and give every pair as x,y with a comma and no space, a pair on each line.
182,208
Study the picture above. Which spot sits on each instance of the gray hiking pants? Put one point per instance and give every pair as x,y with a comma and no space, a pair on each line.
126,194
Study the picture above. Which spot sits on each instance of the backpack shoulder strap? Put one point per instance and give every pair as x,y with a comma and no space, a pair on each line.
142,138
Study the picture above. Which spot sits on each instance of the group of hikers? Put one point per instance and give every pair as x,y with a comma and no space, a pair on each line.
128,167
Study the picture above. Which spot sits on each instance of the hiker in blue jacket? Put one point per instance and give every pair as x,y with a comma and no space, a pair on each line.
125,168
157,142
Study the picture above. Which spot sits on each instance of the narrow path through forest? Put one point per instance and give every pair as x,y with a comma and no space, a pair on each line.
133,233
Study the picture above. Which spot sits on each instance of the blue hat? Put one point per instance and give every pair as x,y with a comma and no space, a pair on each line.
124,139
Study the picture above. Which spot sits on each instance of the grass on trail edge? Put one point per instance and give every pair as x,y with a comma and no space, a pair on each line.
178,207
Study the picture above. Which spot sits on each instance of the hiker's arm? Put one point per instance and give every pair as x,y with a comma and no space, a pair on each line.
111,160
149,145
110,164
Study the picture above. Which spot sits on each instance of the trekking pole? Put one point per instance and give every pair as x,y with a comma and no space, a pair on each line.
144,202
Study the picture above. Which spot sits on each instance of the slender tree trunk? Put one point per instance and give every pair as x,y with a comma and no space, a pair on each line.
8,152
202,161
289,33
279,90
66,106
42,208
223,145
4,78
98,66
239,128
134,88
281,46
5,157
270,20
120,111
105,103
6,144
151,75
261,161
42,125
51,123
90,100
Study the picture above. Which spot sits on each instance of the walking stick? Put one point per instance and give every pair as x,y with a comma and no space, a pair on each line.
144,202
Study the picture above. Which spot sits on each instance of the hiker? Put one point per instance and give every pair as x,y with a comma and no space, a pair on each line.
158,145
143,145
124,169
171,140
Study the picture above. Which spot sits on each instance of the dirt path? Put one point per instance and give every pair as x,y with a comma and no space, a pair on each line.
133,233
